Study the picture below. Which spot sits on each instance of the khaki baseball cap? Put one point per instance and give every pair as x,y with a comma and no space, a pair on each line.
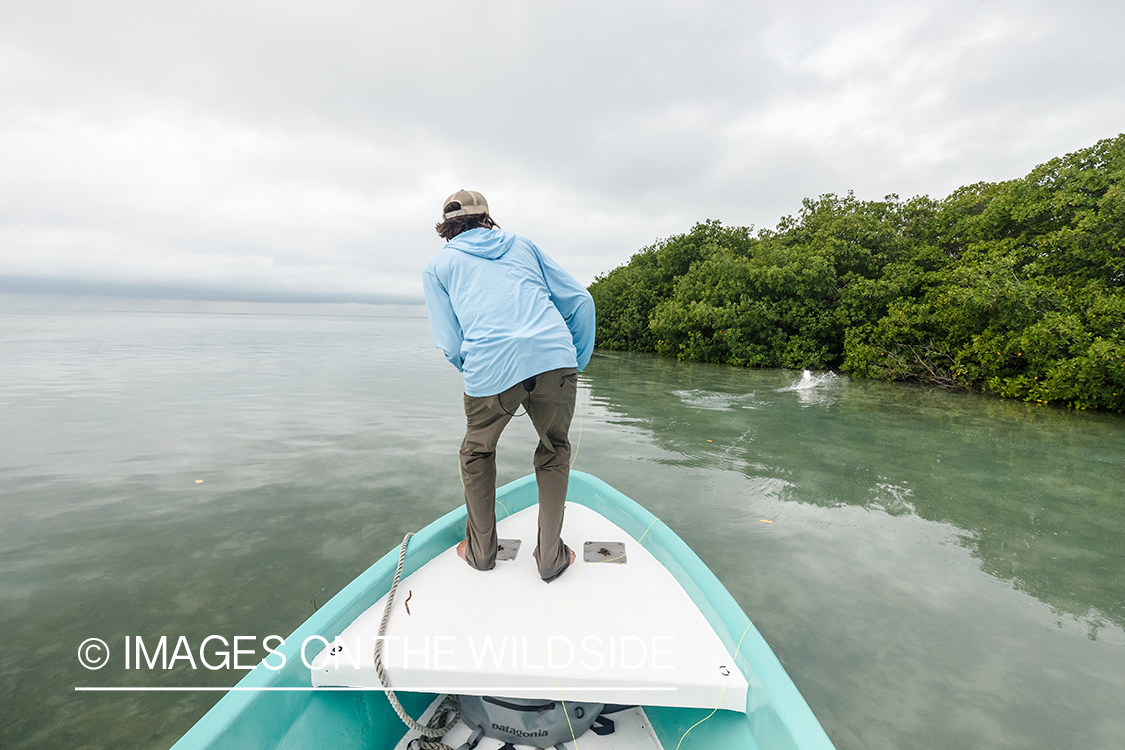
464,203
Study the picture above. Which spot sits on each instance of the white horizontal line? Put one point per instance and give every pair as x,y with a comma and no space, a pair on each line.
412,689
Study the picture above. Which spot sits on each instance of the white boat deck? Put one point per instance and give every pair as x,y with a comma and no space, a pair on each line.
602,632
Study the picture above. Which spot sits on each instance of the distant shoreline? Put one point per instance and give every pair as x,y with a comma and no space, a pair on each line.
45,303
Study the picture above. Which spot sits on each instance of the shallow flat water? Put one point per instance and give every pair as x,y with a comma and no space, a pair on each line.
933,569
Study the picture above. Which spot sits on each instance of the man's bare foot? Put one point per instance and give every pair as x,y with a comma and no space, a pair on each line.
566,567
461,549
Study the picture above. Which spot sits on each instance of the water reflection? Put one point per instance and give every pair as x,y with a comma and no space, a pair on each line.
1034,492
894,545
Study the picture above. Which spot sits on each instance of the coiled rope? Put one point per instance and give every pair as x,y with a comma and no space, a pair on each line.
448,712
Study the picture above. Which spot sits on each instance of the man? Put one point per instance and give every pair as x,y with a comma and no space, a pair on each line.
520,328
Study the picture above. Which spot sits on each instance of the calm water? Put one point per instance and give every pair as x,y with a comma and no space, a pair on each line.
934,570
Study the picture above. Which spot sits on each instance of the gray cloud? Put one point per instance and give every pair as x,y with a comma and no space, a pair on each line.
285,150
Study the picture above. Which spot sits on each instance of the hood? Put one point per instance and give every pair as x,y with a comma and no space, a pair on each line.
484,243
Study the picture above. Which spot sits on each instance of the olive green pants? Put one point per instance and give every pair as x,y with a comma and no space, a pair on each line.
548,399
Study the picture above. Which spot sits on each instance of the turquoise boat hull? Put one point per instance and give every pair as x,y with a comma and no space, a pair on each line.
279,709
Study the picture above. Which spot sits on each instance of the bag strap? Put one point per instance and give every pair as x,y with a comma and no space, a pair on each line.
602,726
474,739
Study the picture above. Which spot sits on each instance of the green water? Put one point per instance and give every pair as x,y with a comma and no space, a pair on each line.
934,570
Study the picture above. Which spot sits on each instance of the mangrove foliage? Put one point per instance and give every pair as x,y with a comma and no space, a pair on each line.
1014,288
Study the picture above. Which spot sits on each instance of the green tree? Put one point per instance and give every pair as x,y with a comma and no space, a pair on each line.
1014,288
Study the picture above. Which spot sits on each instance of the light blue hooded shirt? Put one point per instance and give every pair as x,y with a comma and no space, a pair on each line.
502,311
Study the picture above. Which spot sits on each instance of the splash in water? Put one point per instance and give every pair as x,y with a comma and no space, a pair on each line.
809,381
815,389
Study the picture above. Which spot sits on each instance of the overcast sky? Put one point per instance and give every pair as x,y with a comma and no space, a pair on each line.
285,150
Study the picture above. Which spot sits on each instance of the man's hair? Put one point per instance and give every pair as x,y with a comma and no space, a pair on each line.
453,226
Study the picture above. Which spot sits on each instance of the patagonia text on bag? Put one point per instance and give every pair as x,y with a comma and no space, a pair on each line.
528,721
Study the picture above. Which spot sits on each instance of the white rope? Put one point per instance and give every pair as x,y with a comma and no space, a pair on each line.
439,725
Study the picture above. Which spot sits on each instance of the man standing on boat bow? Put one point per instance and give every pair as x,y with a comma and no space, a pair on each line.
519,328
